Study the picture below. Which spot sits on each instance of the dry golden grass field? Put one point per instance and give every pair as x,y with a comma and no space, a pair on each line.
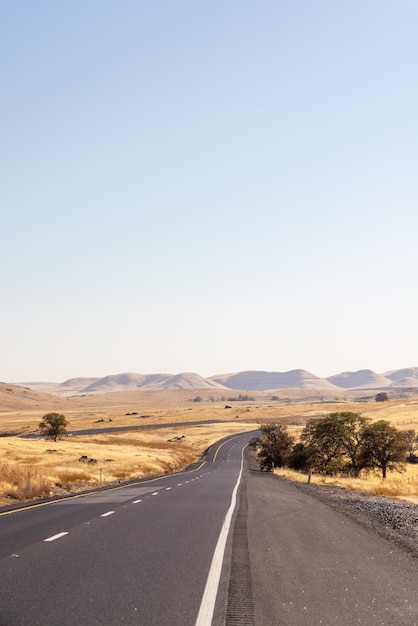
402,486
32,468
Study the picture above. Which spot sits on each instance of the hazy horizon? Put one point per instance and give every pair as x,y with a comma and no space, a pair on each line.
218,373
208,188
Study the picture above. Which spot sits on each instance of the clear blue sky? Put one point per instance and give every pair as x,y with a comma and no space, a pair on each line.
208,186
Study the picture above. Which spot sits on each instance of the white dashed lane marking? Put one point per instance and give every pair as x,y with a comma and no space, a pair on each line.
54,537
155,493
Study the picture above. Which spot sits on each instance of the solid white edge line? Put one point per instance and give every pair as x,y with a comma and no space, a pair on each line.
207,606
56,537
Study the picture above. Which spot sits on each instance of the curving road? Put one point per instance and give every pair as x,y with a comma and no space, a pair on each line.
138,554
149,554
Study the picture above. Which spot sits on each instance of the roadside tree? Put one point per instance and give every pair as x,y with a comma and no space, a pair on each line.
274,446
384,447
412,441
53,426
334,443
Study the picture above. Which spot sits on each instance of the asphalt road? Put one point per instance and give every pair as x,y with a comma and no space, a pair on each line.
141,554
116,429
138,554
312,565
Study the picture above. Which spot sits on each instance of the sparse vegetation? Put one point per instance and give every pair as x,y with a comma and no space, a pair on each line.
403,487
241,398
149,452
341,443
23,482
53,426
68,468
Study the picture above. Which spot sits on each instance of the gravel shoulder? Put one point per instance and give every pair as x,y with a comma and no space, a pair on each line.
322,555
392,519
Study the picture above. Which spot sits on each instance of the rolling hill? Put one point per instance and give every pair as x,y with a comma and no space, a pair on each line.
251,380
407,377
264,381
363,379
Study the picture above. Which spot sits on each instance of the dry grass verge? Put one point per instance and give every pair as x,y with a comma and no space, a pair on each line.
401,486
35,468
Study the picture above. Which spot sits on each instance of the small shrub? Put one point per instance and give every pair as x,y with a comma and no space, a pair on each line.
38,490
73,476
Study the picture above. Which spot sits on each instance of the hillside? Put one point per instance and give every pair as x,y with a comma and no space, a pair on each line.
126,382
407,377
363,379
263,381
251,380
17,398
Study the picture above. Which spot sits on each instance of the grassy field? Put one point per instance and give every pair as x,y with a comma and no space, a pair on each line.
33,468
403,486
37,467
402,414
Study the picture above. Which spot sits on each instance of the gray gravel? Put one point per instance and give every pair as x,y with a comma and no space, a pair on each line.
392,519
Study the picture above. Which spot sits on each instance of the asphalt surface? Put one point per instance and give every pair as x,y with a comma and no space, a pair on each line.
313,565
140,554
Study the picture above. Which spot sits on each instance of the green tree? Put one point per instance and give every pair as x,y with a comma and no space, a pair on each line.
53,426
412,441
274,446
320,437
352,429
382,397
334,443
384,447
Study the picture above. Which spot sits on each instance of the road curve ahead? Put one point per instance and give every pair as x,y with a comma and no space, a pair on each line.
138,554
150,554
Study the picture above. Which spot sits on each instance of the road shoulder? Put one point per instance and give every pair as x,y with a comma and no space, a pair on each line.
313,564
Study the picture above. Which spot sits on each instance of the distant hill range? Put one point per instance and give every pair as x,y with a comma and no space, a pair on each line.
242,381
